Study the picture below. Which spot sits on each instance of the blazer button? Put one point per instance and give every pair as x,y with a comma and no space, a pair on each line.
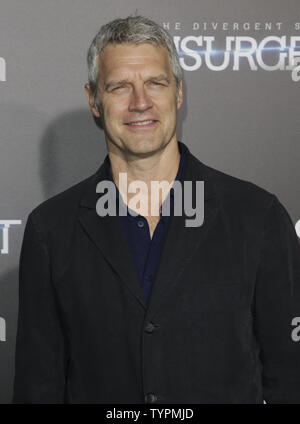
150,398
149,327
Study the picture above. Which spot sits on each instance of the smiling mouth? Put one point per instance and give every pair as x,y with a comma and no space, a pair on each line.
145,123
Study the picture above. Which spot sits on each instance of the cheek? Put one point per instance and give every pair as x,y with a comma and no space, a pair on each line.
114,114
169,109
164,104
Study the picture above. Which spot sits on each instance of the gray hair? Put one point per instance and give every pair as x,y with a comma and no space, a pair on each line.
135,30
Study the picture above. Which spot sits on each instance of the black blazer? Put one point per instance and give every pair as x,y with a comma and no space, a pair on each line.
218,328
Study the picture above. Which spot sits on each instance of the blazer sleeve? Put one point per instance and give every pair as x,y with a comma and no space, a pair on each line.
40,356
277,308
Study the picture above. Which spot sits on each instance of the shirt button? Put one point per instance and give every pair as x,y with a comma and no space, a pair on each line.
149,327
150,398
148,277
140,224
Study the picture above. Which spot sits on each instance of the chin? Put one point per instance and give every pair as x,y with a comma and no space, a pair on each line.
144,147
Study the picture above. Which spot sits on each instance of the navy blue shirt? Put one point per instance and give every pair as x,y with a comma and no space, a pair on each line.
145,251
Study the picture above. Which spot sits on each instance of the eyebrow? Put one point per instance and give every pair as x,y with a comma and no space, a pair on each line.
160,77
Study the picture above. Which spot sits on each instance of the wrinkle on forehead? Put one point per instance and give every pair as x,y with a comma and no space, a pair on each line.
120,60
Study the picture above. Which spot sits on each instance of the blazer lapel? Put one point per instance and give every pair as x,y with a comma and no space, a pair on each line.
106,233
181,241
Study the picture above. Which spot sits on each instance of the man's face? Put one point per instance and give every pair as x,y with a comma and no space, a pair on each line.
137,94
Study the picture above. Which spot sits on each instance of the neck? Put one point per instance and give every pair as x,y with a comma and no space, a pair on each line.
162,165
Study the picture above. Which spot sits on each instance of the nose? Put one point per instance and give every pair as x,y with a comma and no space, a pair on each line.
140,100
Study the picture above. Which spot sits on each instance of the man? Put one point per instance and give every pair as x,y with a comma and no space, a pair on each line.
142,308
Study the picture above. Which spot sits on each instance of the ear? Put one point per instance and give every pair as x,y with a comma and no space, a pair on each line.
91,100
179,97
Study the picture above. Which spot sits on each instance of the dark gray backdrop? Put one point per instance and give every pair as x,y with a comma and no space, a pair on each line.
243,122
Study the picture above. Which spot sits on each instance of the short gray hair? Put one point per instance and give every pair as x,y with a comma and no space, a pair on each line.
131,30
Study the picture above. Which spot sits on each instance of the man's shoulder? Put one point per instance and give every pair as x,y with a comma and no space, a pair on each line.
232,190
62,207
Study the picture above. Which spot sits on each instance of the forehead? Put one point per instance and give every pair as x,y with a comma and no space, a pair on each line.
123,59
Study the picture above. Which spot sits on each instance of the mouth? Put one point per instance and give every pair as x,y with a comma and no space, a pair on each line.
142,124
